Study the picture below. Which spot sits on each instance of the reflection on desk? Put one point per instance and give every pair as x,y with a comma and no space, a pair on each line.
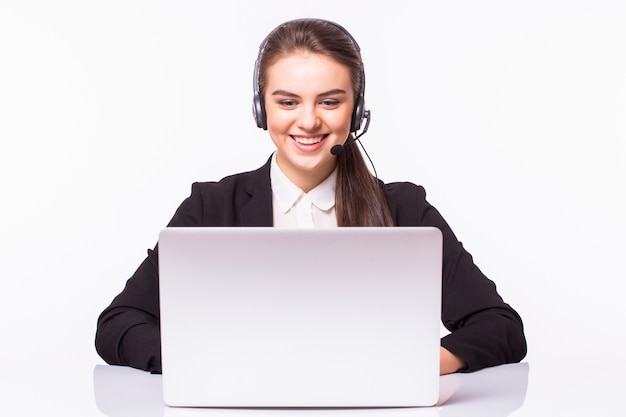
498,391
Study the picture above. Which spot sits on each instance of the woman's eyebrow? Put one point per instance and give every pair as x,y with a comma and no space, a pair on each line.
332,92
284,93
324,94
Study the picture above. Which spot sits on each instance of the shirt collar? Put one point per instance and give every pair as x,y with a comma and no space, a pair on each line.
287,193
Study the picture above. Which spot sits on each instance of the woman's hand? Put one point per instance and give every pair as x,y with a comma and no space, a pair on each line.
448,362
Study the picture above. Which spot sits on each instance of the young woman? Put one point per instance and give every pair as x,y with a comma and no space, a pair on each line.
309,89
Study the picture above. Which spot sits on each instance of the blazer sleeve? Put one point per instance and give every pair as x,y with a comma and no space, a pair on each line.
128,331
485,331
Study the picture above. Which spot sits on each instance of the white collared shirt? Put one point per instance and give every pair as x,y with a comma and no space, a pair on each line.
292,207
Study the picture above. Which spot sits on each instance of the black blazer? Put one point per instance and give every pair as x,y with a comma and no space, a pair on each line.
485,331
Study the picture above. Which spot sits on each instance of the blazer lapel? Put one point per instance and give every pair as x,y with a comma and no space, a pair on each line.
257,210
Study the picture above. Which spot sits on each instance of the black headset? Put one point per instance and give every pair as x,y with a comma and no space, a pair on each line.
258,104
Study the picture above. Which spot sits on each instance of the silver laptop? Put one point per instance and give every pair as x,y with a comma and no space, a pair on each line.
271,317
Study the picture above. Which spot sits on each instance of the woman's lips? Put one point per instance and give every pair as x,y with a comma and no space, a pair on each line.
308,140
308,143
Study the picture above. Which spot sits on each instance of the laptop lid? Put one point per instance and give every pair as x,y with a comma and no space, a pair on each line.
271,317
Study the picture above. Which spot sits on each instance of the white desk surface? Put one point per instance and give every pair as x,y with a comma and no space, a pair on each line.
583,387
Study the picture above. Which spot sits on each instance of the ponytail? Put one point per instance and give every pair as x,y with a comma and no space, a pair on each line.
359,199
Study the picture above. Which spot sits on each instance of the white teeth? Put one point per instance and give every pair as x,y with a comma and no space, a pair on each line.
308,141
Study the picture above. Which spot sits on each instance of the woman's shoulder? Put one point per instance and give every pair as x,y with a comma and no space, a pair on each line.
405,191
220,203
408,205
234,182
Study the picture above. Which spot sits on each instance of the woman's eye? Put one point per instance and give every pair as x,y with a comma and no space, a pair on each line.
288,103
329,103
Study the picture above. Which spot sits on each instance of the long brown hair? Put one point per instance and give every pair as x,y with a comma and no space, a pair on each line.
359,198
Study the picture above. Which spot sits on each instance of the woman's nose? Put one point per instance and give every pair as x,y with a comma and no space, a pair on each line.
308,119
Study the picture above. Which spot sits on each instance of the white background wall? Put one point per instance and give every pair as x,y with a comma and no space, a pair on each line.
511,114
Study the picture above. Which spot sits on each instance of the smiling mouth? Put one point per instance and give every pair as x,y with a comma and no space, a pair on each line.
309,140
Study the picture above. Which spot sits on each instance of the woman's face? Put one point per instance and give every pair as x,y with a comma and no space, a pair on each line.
309,101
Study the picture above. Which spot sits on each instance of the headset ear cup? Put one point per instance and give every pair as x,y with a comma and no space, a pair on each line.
258,106
258,110
357,114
